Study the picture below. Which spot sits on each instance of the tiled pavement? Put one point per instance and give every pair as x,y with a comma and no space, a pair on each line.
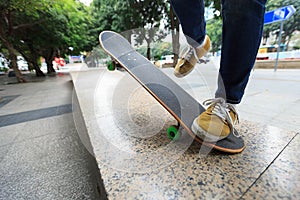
41,155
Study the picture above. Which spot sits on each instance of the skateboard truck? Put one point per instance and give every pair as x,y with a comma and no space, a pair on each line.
113,64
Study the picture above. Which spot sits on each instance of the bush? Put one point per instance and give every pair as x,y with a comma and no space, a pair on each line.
3,69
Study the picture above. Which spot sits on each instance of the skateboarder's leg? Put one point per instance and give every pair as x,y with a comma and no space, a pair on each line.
242,32
191,17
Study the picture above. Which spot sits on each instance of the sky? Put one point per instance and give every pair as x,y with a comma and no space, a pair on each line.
86,2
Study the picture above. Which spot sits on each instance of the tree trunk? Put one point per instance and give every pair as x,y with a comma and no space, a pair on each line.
288,43
13,59
127,35
175,35
32,61
14,65
265,37
38,71
49,56
148,51
50,69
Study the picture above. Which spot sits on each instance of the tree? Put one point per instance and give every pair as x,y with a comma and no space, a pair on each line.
12,13
76,32
150,13
150,35
68,22
21,25
43,28
102,16
36,40
290,26
129,17
214,30
174,25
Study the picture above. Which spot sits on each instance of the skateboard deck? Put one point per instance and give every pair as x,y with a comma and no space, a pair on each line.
181,105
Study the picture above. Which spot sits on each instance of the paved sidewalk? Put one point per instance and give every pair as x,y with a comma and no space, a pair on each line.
41,155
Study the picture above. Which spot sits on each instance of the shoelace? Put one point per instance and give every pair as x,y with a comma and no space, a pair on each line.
189,53
192,51
222,109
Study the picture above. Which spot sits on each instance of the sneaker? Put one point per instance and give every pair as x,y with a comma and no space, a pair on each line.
217,122
190,57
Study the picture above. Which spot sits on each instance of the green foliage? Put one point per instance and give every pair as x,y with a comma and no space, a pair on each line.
290,26
214,30
141,18
102,16
76,33
44,28
158,49
3,69
125,15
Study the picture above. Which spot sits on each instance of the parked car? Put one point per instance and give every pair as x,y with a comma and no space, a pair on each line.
165,61
44,67
22,64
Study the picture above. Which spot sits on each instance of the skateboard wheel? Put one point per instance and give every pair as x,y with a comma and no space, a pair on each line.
173,133
111,66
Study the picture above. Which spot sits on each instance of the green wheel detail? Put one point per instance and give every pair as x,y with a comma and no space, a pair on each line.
173,133
110,66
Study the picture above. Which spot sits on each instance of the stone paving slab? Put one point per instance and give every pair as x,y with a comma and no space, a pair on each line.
282,178
53,91
136,159
43,158
36,174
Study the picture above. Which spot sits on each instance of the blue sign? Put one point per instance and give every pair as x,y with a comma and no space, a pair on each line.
279,14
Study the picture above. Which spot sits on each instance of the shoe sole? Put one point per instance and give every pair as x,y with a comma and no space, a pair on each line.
179,75
203,135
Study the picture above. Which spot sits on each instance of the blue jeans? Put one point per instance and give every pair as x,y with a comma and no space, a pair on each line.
241,37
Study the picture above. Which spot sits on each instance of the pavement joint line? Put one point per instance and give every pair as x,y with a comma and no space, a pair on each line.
16,118
273,79
6,99
269,165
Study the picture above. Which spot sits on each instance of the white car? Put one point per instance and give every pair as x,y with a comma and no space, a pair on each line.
22,64
165,61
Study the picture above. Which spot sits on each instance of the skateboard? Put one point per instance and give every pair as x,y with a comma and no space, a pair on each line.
181,105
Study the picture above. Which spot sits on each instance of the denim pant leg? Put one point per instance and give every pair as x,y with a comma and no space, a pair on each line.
191,16
241,37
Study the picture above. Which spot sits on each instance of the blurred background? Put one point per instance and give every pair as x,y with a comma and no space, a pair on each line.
43,36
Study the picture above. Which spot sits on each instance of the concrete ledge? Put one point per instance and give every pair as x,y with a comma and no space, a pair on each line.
84,137
282,64
125,129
